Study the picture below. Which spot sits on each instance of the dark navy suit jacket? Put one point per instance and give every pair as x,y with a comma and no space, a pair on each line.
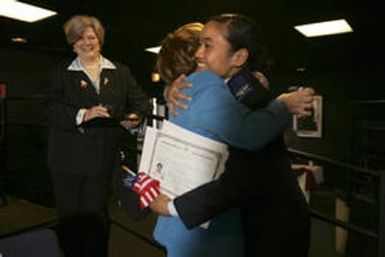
274,211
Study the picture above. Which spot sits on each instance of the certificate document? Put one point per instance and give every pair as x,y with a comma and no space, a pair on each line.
180,159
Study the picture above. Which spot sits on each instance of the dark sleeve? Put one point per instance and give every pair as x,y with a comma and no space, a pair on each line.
235,124
137,101
222,115
203,203
62,110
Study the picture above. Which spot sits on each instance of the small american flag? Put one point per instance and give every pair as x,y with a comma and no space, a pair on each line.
147,188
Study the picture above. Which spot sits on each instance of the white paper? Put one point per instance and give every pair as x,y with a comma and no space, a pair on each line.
180,159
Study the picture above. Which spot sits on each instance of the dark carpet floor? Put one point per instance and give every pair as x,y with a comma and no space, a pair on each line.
127,235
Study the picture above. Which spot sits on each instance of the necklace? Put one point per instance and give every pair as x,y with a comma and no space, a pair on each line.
91,64
92,69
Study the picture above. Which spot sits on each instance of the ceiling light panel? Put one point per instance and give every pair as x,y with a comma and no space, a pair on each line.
324,28
22,11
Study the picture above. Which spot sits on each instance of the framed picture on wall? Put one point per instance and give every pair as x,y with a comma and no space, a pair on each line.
310,126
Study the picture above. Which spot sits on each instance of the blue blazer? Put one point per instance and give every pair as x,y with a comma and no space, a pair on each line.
216,114
273,209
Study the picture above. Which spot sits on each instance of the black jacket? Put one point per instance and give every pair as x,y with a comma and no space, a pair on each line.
274,211
91,147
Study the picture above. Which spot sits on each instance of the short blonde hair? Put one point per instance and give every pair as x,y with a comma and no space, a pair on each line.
75,26
177,54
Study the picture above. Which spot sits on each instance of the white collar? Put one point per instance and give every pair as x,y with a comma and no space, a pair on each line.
104,64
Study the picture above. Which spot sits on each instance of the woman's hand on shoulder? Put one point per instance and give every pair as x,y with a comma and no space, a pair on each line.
173,95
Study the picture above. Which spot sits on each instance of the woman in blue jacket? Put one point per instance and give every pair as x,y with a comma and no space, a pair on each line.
214,113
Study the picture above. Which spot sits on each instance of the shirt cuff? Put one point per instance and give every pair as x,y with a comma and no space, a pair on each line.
171,209
80,116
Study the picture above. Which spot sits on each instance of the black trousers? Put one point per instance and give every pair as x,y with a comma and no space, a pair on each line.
280,231
82,203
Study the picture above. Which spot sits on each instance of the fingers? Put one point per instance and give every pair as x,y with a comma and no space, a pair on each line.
304,106
159,205
171,91
129,124
131,120
303,111
298,102
262,79
308,90
174,96
306,102
175,100
163,197
98,111
173,103
181,83
132,116
184,97
171,109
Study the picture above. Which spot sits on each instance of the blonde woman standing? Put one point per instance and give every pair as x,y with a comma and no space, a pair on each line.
91,101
